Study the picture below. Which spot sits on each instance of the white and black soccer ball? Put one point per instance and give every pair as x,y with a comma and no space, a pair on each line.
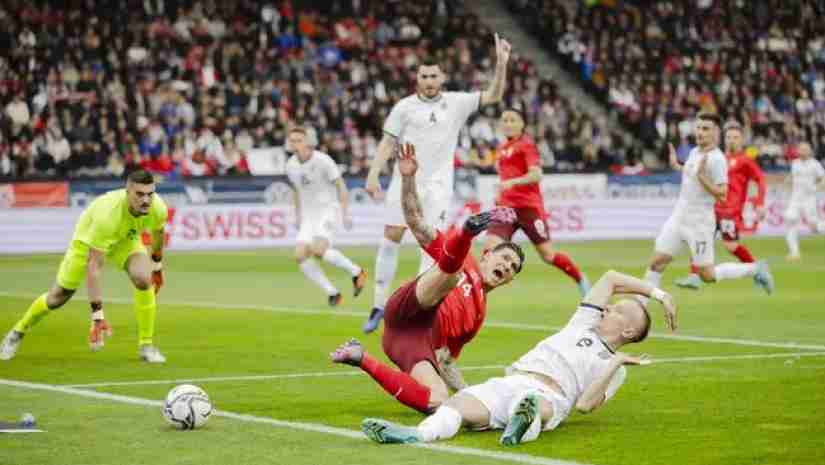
187,407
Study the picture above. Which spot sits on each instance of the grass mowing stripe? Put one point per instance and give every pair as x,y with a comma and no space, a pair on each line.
310,427
489,324
323,374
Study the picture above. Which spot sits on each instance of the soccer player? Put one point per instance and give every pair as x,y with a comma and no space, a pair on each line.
319,211
806,174
519,169
741,171
431,318
109,229
431,120
693,221
579,366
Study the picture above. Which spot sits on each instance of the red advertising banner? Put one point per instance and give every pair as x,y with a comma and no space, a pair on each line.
34,194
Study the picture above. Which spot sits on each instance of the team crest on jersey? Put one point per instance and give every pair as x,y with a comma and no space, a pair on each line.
132,233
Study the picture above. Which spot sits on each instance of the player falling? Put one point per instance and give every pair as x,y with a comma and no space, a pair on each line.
741,171
431,120
519,169
431,318
693,221
578,366
319,211
109,229
807,174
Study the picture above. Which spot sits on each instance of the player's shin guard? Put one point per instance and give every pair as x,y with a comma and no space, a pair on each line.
145,310
386,262
456,249
398,384
36,311
443,424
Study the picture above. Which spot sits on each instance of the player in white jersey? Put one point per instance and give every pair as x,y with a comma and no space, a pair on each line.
807,175
320,209
430,119
578,366
693,221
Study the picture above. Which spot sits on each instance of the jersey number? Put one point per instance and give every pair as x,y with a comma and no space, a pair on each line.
700,247
540,228
465,287
585,342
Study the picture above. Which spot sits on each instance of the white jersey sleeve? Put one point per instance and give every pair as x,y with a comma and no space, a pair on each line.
586,316
467,103
718,167
331,168
394,124
615,383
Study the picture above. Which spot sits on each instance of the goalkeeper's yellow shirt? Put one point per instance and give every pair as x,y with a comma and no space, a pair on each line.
107,222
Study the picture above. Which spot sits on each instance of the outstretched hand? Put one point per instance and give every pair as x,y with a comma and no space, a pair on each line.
503,49
670,311
407,163
481,221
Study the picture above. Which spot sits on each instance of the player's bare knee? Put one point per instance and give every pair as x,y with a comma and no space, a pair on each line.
660,262
394,233
730,246
318,249
707,274
142,281
58,296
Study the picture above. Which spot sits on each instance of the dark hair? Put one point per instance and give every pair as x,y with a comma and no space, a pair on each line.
298,129
712,117
646,328
733,125
515,248
141,177
428,60
518,112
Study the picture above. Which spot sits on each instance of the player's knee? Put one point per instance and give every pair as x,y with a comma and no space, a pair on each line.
318,250
142,281
547,255
706,274
730,246
301,254
394,233
659,263
58,296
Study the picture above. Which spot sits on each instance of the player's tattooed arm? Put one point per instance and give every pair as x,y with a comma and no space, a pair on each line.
386,148
449,370
413,213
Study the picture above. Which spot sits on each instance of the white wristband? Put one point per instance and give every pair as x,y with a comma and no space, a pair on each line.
97,315
658,294
158,266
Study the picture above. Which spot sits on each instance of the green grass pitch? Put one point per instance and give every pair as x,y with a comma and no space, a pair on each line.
256,335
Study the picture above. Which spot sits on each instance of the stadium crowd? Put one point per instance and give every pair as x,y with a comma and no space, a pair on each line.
656,62
188,88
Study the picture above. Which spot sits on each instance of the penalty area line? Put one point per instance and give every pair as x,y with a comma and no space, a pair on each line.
293,425
325,374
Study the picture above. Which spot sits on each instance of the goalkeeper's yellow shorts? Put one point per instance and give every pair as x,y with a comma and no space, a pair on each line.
72,270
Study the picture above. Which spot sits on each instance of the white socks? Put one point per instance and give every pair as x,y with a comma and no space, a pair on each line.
443,424
336,258
724,271
792,238
653,277
315,274
386,262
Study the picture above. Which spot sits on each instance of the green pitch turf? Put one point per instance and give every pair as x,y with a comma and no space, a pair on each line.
256,336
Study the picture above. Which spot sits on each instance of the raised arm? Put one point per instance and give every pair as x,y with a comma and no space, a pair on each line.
613,282
495,92
413,214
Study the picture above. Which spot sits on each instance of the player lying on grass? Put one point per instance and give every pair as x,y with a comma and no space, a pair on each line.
579,366
430,319
110,228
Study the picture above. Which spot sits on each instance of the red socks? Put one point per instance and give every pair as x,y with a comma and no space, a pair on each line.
456,248
694,269
743,254
563,262
398,384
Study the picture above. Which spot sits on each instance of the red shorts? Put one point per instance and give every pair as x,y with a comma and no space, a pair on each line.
408,329
728,225
531,220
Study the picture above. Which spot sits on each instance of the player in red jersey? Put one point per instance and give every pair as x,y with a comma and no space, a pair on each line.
741,171
430,319
519,169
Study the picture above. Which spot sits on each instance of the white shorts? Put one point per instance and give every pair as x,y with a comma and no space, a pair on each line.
435,198
501,395
699,238
802,208
320,223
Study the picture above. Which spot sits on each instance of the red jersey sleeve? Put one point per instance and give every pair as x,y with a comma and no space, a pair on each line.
436,246
759,177
531,155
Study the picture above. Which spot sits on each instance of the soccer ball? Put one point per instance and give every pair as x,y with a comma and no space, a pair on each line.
187,407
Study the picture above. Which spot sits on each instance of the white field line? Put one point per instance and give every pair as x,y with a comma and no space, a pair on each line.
340,373
293,425
490,324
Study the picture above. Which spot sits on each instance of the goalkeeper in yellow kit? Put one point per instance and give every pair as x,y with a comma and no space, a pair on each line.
110,228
